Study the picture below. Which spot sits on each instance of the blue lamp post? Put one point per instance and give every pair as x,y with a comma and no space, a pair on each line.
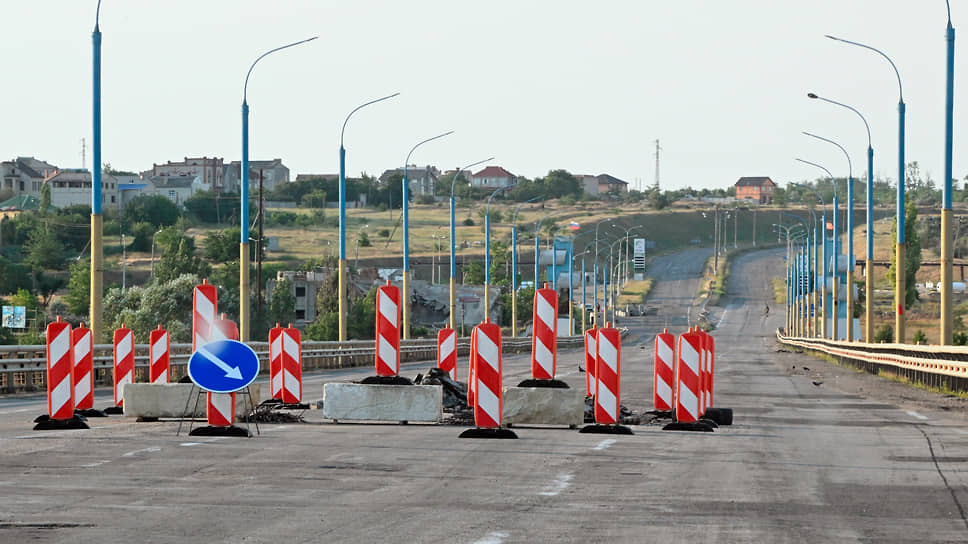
850,238
343,307
487,251
899,284
869,263
801,286
537,245
97,219
947,248
405,295
244,200
453,241
823,288
514,265
817,241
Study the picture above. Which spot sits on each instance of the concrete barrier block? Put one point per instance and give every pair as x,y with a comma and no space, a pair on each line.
543,406
367,402
168,400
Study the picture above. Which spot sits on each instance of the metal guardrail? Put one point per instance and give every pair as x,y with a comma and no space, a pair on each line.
935,366
24,368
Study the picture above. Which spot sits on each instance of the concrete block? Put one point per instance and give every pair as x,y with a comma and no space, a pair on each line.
366,402
543,406
168,400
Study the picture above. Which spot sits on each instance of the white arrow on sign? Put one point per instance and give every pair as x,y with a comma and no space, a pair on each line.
230,371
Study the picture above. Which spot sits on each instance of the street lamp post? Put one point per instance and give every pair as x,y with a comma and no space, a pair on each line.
869,262
244,302
487,251
405,296
947,254
453,241
817,241
802,291
900,287
153,253
97,219
823,288
537,244
850,237
343,304
514,266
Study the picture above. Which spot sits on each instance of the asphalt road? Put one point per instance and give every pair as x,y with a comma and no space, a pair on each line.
802,463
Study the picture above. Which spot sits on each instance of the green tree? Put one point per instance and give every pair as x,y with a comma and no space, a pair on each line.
78,295
179,258
45,198
156,210
282,305
166,303
223,246
44,250
474,273
13,275
912,253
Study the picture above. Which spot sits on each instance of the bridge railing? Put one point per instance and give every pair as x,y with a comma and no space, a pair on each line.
943,367
24,368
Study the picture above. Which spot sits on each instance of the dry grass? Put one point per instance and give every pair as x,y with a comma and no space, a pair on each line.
635,292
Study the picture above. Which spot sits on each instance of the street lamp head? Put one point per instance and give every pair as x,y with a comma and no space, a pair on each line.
812,95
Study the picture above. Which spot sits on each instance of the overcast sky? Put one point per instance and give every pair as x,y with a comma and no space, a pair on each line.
539,84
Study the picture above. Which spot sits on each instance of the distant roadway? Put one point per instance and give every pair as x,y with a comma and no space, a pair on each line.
814,455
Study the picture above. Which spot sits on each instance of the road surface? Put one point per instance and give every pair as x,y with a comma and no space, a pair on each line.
832,462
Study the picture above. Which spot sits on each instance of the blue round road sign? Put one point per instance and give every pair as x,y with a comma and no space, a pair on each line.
223,366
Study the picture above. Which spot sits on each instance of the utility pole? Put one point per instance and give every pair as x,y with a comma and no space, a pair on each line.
657,148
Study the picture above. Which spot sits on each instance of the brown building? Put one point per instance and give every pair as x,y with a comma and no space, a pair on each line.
759,189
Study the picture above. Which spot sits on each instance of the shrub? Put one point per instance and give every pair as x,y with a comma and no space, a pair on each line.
920,337
884,335
468,222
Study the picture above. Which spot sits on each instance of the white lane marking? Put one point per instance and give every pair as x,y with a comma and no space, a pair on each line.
96,464
604,444
209,441
495,537
5,412
190,444
559,485
914,414
721,318
143,450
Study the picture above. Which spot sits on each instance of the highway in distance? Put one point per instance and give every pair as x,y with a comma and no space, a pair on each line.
817,453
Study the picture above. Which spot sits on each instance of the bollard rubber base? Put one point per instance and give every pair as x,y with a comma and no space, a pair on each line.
479,432
90,412
552,383
697,426
709,422
45,423
212,430
722,416
386,380
147,419
599,428
114,411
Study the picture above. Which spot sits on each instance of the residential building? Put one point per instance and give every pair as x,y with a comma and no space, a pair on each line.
493,177
759,189
423,179
602,184
210,170
179,189
24,175
273,172
72,186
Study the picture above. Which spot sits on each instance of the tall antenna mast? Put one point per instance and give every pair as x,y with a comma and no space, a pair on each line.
657,148
83,153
